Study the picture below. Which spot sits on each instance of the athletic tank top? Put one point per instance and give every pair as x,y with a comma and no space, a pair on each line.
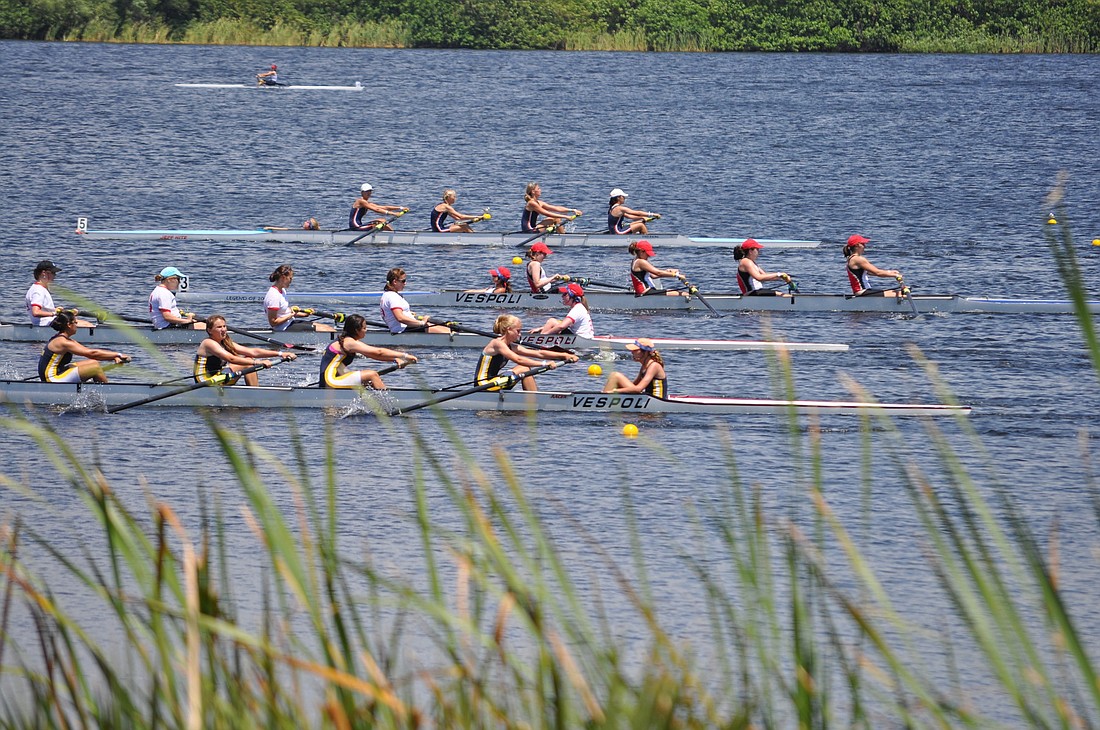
439,221
331,362
617,223
640,284
52,364
207,366
529,222
857,277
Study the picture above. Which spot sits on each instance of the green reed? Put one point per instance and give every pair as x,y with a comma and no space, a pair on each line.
804,631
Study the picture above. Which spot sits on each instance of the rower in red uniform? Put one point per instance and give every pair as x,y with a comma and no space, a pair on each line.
643,273
537,278
750,276
859,268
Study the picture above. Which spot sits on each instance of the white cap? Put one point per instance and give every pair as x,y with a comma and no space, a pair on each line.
617,192
365,187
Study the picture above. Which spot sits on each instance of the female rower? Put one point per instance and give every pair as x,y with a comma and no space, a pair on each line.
650,378
395,309
750,277
502,280
280,316
445,210
623,220
360,219
642,273
536,275
507,347
40,304
56,362
162,302
859,268
219,354
269,77
578,321
534,207
339,354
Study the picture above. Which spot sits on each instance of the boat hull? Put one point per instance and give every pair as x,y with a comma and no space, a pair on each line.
108,334
288,87
723,302
96,397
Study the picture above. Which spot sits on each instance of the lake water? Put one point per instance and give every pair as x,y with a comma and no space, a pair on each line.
943,161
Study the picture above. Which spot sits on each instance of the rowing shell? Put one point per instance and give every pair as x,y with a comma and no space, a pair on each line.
424,238
123,334
95,396
290,87
603,300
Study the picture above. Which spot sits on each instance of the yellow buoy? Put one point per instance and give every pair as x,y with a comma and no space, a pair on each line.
595,370
1096,242
1052,220
630,431
516,260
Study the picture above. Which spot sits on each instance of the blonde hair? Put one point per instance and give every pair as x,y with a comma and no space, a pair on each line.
449,193
505,322
530,188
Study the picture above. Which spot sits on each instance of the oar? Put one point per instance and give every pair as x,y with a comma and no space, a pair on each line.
377,226
548,232
585,281
457,327
269,340
605,231
905,292
500,381
382,371
218,379
101,316
694,291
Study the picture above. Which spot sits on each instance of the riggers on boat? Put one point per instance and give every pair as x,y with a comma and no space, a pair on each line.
339,237
358,86
101,396
123,334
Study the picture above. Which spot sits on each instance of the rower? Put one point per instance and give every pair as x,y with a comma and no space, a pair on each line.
750,276
506,347
40,304
651,376
577,321
280,315
218,354
859,268
395,309
622,220
534,207
162,302
643,273
55,365
339,354
362,207
269,77
536,275
445,210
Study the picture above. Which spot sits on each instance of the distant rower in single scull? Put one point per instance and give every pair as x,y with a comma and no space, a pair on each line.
339,354
642,273
651,377
534,207
279,313
623,220
359,220
219,354
536,275
750,277
859,268
445,210
162,302
506,347
55,365
395,309
270,77
577,321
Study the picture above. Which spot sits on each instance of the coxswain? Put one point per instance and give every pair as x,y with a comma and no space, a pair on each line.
395,309
750,277
340,354
859,268
622,220
280,315
56,362
361,210
506,347
162,302
553,215
577,321
218,354
651,376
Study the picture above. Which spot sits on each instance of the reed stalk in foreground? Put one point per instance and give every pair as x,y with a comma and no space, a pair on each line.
487,625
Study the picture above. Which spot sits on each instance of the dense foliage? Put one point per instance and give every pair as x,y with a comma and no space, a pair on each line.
713,25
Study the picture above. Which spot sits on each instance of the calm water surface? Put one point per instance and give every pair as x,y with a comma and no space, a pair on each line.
942,160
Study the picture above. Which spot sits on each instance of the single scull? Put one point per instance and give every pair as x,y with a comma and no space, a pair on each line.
289,87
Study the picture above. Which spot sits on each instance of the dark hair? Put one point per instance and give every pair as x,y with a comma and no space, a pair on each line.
738,252
280,272
393,275
227,342
62,320
352,325
633,248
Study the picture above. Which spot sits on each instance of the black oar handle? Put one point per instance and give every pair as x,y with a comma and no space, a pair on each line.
377,226
218,379
548,232
500,381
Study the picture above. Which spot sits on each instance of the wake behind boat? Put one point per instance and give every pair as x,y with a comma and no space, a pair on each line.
288,87
98,396
338,237
123,334
720,301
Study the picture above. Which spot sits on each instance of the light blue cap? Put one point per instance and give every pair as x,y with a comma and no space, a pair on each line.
170,272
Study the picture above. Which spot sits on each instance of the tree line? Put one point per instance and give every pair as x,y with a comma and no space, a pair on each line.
704,25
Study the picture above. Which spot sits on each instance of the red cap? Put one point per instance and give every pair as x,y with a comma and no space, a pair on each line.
858,240
274,67
541,247
573,290
501,273
645,246
750,243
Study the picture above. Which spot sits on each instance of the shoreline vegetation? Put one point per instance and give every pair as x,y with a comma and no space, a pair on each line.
887,26
806,634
